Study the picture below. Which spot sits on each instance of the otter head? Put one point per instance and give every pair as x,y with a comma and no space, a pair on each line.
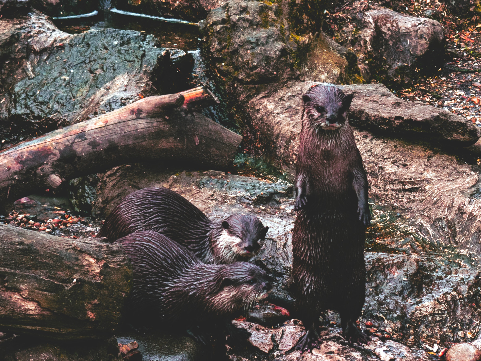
326,106
239,237
239,285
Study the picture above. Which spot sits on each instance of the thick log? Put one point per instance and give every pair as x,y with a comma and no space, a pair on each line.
60,287
159,128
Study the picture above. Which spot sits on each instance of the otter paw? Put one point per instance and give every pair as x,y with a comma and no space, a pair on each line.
300,203
307,342
364,216
354,335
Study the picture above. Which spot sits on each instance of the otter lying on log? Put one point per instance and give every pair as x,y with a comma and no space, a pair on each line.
173,289
164,211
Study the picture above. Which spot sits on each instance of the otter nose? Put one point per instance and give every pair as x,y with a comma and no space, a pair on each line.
249,248
266,285
331,118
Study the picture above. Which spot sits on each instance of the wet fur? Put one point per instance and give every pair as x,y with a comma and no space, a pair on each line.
167,212
332,215
172,288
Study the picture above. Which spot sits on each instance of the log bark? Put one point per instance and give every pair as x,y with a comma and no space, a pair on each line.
158,128
60,287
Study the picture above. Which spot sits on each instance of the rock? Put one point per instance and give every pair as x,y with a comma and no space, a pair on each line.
463,352
291,333
378,110
325,61
434,195
433,296
417,294
153,345
246,45
391,350
120,181
83,193
394,48
14,8
260,337
98,71
250,47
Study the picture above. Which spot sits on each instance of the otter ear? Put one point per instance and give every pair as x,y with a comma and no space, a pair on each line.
264,232
225,225
306,98
226,282
346,102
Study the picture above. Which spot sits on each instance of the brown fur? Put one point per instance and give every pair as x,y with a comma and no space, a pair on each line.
329,231
164,211
173,289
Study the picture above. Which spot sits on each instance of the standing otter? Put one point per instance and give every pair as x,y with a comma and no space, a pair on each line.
173,289
164,211
332,215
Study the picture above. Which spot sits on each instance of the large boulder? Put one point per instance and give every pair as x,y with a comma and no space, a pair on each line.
52,78
378,110
250,47
394,48
247,43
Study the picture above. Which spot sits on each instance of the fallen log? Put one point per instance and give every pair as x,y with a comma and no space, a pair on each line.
158,128
58,287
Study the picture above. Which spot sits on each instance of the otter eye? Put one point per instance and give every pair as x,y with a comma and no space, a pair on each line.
227,282
252,281
320,109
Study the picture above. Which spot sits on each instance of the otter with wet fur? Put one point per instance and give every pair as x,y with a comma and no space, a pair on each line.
332,215
172,288
162,210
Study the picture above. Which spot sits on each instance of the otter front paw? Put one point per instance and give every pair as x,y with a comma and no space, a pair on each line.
364,215
300,203
354,335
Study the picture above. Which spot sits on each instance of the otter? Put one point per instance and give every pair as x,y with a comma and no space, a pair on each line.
159,209
172,288
332,215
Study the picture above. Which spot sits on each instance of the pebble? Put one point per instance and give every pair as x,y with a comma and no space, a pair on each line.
463,352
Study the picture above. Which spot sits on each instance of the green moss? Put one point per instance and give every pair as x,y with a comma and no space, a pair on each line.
259,167
265,23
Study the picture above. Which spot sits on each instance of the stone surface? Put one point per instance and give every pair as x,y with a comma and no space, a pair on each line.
392,47
377,109
418,290
418,293
260,336
53,78
431,298
463,352
247,43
